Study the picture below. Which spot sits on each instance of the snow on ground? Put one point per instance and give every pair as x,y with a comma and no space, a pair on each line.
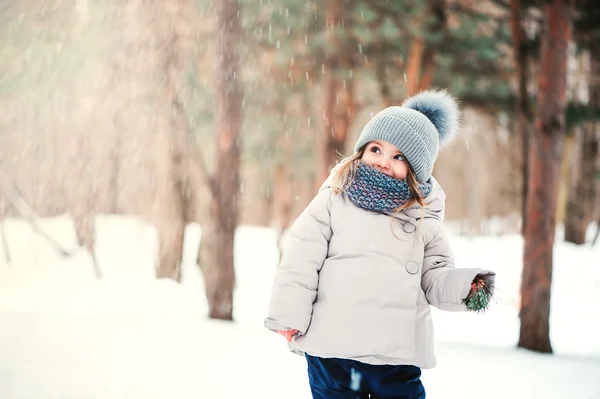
65,335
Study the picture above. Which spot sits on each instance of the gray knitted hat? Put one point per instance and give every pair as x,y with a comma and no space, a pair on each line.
423,124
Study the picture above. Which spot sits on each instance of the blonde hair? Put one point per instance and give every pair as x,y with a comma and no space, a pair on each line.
346,172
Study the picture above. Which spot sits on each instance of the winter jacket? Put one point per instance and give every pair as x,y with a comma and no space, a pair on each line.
356,290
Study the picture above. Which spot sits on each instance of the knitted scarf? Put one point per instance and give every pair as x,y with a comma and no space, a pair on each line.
373,190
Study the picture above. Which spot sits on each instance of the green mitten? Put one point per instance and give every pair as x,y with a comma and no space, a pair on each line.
480,295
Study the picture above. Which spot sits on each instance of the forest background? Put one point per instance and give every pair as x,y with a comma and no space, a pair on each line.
232,112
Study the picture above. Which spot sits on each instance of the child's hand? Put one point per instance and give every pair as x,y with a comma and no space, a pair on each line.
480,294
288,334
478,283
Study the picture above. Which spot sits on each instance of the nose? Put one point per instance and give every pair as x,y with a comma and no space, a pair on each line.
383,163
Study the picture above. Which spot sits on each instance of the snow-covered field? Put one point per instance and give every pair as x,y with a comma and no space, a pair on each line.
65,335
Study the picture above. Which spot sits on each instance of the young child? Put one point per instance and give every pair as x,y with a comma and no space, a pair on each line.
368,256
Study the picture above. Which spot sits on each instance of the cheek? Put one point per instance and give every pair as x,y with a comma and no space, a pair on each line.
367,158
401,170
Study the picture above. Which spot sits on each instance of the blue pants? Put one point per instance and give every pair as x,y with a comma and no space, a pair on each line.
350,379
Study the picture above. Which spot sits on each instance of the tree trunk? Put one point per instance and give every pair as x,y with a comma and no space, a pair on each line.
283,187
339,103
169,216
382,79
216,250
580,205
283,198
265,208
86,236
428,70
420,67
544,164
595,102
181,175
413,66
83,206
595,239
4,241
115,165
283,204
522,107
170,234
582,191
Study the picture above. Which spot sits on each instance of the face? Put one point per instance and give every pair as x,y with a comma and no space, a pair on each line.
386,158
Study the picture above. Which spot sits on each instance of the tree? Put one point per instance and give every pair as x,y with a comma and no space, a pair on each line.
423,32
544,164
339,105
216,250
155,27
582,179
421,59
341,51
181,185
522,106
582,195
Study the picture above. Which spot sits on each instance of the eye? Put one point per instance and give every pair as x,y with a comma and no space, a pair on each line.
399,157
375,149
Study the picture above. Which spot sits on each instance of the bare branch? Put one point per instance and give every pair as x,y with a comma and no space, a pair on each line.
28,214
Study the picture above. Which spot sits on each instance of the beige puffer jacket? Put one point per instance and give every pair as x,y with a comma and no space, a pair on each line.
355,290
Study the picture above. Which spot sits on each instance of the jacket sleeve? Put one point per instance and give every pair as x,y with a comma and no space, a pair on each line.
295,286
444,285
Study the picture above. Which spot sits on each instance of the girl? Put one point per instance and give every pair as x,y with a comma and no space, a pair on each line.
368,256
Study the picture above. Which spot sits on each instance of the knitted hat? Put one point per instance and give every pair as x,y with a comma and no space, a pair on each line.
423,124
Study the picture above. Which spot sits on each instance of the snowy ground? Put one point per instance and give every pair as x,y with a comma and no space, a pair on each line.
65,335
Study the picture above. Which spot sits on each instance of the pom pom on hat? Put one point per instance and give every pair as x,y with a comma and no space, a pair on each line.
441,109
